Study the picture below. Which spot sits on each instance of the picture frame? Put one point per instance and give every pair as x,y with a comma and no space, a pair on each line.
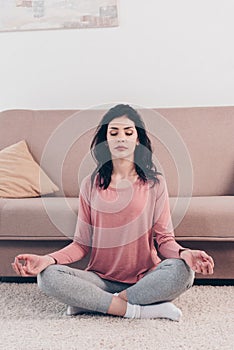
20,15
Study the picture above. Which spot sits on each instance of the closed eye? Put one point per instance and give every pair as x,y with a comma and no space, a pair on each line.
115,133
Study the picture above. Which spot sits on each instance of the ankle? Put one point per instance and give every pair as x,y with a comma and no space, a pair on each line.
117,307
123,295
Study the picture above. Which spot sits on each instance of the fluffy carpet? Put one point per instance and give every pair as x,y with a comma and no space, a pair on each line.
31,320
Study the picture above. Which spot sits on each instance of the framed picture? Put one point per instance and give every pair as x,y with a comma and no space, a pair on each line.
57,14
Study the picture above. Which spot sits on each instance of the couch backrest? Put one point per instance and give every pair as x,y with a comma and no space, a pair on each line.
208,133
59,141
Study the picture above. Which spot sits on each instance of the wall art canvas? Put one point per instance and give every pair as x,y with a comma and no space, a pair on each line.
57,14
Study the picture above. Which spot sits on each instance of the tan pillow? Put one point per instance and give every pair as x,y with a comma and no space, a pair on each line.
20,175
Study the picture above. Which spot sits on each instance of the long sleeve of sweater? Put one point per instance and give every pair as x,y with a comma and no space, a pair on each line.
71,253
163,228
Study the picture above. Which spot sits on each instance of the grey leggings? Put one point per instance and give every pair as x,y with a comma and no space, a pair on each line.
86,290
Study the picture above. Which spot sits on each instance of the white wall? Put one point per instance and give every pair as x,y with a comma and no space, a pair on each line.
164,53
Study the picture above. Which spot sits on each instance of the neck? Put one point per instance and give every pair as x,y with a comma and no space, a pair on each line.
123,168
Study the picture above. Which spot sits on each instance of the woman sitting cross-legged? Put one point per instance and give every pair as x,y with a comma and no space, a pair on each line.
123,207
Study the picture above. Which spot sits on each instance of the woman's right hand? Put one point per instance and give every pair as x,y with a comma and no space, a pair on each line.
31,264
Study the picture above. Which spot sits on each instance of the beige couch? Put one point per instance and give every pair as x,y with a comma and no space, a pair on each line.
193,147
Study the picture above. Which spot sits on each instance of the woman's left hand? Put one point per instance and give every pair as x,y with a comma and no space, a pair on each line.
198,260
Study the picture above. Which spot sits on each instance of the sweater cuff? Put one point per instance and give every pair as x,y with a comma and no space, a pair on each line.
51,255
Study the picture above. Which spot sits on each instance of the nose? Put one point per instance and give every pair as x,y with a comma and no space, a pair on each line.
121,136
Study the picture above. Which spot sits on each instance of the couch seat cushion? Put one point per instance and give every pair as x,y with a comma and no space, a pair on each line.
38,218
207,218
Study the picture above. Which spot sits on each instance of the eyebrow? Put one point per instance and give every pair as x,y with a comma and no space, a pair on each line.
116,128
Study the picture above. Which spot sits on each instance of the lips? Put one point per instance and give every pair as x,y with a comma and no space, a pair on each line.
121,148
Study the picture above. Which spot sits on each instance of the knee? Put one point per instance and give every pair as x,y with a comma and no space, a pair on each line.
185,272
45,278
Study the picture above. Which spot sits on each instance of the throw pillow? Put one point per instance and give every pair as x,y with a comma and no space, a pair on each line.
20,175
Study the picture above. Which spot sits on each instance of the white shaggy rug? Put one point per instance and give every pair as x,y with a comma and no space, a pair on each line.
29,320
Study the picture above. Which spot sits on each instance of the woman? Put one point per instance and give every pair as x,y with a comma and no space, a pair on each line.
123,205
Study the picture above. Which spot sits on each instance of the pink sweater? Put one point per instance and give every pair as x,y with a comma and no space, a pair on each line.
119,227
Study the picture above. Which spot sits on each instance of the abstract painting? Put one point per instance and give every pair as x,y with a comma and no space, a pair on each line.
57,14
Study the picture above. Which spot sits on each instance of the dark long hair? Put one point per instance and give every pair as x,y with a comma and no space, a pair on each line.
143,162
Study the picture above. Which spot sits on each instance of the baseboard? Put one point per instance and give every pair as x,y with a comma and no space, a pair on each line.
213,282
18,279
